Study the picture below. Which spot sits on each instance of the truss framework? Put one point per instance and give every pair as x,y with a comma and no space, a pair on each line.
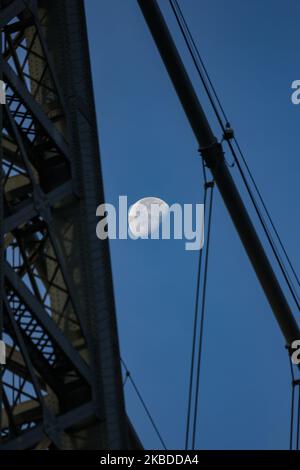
61,385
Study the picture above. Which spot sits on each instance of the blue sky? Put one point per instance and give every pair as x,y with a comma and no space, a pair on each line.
148,149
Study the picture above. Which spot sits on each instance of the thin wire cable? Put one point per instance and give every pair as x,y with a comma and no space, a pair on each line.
267,211
292,417
270,239
185,27
298,419
206,81
292,402
144,404
126,378
177,7
188,37
196,57
200,348
194,340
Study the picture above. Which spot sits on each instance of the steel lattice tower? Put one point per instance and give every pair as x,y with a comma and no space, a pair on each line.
61,386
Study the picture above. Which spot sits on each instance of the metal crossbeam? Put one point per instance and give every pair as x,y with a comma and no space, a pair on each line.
61,386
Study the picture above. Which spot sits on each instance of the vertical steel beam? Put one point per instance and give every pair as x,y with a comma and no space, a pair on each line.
57,275
89,258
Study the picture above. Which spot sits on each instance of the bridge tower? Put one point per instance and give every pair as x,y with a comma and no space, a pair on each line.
61,385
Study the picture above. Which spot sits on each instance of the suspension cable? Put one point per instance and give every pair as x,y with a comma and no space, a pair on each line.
194,52
266,211
127,375
292,402
298,417
194,340
228,136
146,409
294,418
267,233
200,347
207,83
198,324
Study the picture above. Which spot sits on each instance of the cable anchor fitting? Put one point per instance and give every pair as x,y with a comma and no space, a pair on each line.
228,132
209,184
212,155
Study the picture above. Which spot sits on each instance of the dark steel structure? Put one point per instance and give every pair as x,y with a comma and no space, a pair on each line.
212,153
61,385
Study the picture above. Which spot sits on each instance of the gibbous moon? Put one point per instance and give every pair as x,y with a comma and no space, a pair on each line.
146,215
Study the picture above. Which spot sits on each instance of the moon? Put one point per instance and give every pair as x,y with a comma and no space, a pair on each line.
146,215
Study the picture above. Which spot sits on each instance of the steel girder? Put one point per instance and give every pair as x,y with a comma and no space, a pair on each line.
61,385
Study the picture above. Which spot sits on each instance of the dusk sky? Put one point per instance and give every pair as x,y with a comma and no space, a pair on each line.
251,51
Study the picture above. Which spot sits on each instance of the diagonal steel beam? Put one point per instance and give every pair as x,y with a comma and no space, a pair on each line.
46,321
11,11
20,340
50,64
213,155
65,421
16,364
28,100
28,210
